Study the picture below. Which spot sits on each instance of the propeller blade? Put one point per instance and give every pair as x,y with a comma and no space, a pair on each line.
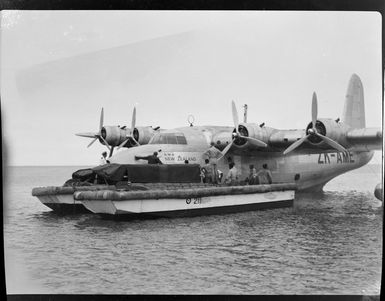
123,143
295,145
137,143
235,115
332,143
314,110
105,142
87,135
92,142
101,120
133,121
256,141
226,149
111,151
94,135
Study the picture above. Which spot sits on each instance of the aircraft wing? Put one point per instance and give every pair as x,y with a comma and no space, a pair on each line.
325,134
281,139
276,140
364,139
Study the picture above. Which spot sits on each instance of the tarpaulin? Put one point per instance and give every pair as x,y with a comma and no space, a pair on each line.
145,173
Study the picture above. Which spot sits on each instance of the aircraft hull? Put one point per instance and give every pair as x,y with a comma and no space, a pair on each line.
181,207
309,170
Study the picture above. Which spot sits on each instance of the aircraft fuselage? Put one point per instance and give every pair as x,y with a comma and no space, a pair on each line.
310,170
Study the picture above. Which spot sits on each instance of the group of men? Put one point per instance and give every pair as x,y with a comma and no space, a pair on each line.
263,176
212,175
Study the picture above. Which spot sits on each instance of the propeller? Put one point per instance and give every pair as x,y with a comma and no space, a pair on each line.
313,131
131,135
237,134
111,151
97,135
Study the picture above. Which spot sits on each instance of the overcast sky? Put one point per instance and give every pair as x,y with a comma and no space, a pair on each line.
59,68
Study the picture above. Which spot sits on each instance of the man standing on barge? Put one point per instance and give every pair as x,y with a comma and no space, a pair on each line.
208,172
264,175
151,159
213,155
232,176
103,159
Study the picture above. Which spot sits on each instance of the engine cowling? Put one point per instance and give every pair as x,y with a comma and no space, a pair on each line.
115,135
329,128
143,134
251,130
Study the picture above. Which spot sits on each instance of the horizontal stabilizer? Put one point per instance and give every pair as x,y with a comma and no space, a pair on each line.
365,134
371,138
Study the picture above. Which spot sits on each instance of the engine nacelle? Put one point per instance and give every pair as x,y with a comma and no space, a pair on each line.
115,135
251,130
143,134
329,128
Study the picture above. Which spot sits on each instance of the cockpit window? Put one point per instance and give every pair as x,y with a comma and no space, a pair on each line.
162,139
169,138
181,139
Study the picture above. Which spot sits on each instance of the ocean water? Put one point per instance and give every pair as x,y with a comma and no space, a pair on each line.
327,243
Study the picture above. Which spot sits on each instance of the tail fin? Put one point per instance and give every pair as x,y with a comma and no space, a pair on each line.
354,109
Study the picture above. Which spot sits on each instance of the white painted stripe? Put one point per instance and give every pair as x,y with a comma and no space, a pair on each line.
58,199
155,205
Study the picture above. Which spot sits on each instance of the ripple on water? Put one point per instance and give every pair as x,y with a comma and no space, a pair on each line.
327,243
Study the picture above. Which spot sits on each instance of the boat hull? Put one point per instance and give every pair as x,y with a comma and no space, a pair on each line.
173,207
63,203
61,198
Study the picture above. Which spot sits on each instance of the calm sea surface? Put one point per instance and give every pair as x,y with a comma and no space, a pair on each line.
328,243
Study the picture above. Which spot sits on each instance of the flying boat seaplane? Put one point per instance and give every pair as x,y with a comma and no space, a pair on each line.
309,157
302,159
117,136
